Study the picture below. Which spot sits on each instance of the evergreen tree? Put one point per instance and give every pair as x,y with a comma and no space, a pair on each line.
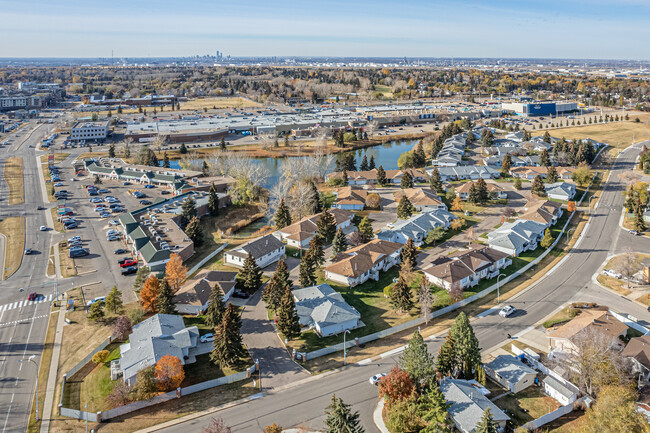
381,176
487,424
307,271
111,151
96,311
165,160
341,419
639,223
419,157
165,299
277,285
408,255
216,307
551,175
227,349
405,209
205,169
344,179
546,138
487,138
315,203
407,180
340,243
222,144
183,149
538,187
400,296
213,201
481,190
364,164
282,215
188,211
446,362
326,227
547,240
434,181
288,320
315,251
467,351
371,163
250,276
506,164
433,410
365,228
544,159
473,196
114,301
194,232
417,361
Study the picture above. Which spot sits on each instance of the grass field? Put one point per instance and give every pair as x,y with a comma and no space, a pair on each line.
68,268
193,104
14,178
14,230
617,134
561,317
385,90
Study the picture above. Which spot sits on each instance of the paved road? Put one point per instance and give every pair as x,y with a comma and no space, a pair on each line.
302,404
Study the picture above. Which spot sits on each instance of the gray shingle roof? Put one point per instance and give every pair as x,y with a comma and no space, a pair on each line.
558,386
323,306
516,234
417,226
258,247
509,368
468,404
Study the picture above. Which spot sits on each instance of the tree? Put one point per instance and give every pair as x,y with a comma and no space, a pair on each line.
307,271
365,228
457,223
571,206
114,301
356,238
582,175
406,160
175,272
407,180
121,328
213,201
277,285
538,187
344,178
340,243
417,361
627,264
111,151
434,235
506,164
446,362
544,159
546,138
273,428
288,320
639,222
98,180
183,149
326,227
166,163
141,276
120,395
466,349
517,183
250,276
487,138
165,299
473,195
373,201
96,311
188,211
395,386
315,203
547,240
487,424
341,419
217,425
169,372
481,190
419,158
425,298
409,253
381,176
615,411
364,164
434,181
371,163
433,410
101,357
145,385
282,217
403,416
222,143
405,209
149,294
551,174
315,251
194,232
457,204
400,296
227,348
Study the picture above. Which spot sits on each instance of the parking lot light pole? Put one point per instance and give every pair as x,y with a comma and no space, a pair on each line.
499,288
345,351
31,359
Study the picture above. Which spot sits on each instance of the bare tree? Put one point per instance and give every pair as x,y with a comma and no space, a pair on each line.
425,298
157,142
301,200
126,147
371,128
456,293
627,264
217,425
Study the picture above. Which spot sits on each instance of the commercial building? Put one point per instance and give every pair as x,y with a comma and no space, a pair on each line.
89,131
540,108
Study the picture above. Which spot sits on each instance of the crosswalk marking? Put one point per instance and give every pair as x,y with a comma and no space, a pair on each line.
24,303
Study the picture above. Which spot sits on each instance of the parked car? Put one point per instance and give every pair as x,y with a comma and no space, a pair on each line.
507,311
72,225
105,215
74,238
149,186
113,238
145,202
206,338
97,299
120,251
374,380
165,192
58,184
112,232
113,223
123,260
102,191
634,233
130,270
240,294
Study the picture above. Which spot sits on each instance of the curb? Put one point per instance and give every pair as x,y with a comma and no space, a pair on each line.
200,414
377,417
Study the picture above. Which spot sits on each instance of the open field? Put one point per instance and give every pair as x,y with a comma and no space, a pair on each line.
616,134
13,228
14,178
193,104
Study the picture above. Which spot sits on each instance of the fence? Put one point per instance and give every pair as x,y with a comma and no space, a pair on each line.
419,321
206,259
87,359
78,414
551,416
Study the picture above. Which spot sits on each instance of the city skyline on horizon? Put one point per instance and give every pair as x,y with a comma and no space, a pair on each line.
576,29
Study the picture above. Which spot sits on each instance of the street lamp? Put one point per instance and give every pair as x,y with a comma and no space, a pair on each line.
31,359
567,236
499,288
347,331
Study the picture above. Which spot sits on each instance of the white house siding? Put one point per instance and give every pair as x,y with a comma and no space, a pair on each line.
349,206
336,328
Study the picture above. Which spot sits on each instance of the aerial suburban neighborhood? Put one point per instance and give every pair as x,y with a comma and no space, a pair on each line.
380,240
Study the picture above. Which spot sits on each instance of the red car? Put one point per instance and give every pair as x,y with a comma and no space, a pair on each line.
128,263
32,296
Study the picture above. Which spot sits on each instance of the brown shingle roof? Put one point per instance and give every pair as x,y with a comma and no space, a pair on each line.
639,349
599,320
307,227
356,261
351,195
419,196
456,266
541,211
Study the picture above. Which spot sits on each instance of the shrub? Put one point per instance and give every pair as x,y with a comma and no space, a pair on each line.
101,356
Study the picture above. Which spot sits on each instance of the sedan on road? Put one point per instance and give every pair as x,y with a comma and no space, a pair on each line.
43,228
507,311
374,380
32,296
28,251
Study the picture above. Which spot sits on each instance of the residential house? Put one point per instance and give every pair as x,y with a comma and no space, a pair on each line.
562,391
560,191
369,177
153,338
542,211
422,199
514,238
530,172
466,268
350,198
515,136
360,264
300,233
323,309
516,161
468,404
638,350
493,189
193,297
416,227
511,373
564,338
472,172
265,250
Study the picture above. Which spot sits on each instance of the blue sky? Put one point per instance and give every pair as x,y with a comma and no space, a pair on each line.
434,28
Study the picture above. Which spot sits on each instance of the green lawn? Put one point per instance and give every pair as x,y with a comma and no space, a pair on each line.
97,385
204,369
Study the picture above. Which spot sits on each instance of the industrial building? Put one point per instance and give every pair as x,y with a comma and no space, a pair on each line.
540,108
86,131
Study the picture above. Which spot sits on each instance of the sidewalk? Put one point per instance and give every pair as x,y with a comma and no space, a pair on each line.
54,369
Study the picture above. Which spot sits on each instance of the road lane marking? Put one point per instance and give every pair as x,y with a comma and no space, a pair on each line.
23,320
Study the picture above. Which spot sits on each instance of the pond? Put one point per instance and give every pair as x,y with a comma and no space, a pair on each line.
385,155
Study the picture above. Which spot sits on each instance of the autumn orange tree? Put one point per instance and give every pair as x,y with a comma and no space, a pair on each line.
149,294
175,272
169,373
396,386
571,206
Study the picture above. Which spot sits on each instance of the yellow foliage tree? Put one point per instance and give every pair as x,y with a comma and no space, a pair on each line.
175,272
458,224
149,294
169,373
457,204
